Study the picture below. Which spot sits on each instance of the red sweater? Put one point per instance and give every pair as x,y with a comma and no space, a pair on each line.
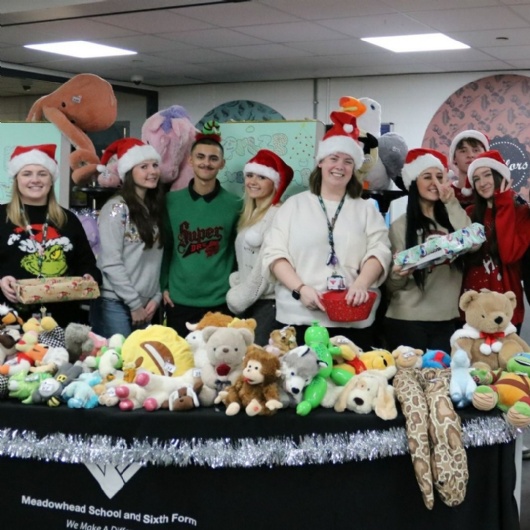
512,224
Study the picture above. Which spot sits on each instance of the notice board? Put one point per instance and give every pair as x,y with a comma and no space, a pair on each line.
294,141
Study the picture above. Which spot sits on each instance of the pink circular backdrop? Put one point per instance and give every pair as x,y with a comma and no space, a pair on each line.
498,106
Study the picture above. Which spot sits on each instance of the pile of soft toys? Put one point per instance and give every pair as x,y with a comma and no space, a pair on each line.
218,363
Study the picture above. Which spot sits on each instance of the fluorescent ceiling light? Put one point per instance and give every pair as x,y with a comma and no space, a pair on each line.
417,43
80,48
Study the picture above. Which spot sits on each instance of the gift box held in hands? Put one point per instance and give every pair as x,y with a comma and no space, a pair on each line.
61,289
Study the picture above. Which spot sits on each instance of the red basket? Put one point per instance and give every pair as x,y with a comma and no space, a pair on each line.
339,311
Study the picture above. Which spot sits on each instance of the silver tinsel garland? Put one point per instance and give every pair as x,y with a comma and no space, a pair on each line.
228,452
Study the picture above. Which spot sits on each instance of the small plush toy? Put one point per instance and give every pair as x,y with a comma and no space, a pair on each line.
9,318
508,390
225,350
53,359
369,391
317,338
488,337
80,394
171,132
29,351
84,103
8,341
81,342
282,340
349,357
435,359
108,362
379,360
50,390
22,385
407,357
462,385
298,368
186,397
256,389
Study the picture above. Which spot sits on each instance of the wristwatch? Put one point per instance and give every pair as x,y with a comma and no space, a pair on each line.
296,292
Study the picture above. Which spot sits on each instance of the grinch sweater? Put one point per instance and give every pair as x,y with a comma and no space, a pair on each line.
512,225
66,253
199,254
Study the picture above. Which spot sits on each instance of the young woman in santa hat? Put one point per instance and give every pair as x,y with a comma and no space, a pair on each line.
251,295
38,237
497,265
423,303
328,237
131,233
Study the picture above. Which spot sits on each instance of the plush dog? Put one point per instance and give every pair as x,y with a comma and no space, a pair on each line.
369,391
488,337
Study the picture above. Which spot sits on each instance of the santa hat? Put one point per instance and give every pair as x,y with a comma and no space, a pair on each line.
270,165
492,159
464,135
42,155
129,152
418,160
342,138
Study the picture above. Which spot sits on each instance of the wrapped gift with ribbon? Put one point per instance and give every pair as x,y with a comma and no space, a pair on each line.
442,249
60,289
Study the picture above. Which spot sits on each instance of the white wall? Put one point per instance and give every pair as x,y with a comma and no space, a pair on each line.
410,101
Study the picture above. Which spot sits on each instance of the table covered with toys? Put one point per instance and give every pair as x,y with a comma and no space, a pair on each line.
160,431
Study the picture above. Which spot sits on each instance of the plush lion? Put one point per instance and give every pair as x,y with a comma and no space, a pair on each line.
488,337
256,388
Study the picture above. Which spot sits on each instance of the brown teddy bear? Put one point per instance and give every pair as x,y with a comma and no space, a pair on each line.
256,389
488,337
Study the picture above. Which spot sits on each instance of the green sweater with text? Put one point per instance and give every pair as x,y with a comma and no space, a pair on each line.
199,254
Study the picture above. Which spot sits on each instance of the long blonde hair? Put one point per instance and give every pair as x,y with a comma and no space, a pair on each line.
15,209
252,213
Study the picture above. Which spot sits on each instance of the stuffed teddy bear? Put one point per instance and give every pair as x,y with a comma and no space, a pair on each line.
462,385
369,391
171,132
84,103
488,337
81,341
225,350
256,389
298,368
507,389
282,340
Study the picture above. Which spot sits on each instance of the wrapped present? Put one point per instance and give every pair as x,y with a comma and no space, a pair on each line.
442,249
60,289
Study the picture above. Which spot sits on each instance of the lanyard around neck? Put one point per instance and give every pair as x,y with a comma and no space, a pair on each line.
38,245
332,257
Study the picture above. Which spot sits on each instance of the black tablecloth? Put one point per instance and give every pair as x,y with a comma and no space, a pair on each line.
44,487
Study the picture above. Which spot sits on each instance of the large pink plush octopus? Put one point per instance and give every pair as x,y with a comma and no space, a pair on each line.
85,103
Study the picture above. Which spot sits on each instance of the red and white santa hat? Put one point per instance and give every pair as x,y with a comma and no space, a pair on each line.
342,138
270,165
129,152
42,155
464,135
492,159
418,160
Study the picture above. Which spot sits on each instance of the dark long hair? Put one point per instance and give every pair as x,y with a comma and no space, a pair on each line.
146,215
419,226
354,188
480,206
